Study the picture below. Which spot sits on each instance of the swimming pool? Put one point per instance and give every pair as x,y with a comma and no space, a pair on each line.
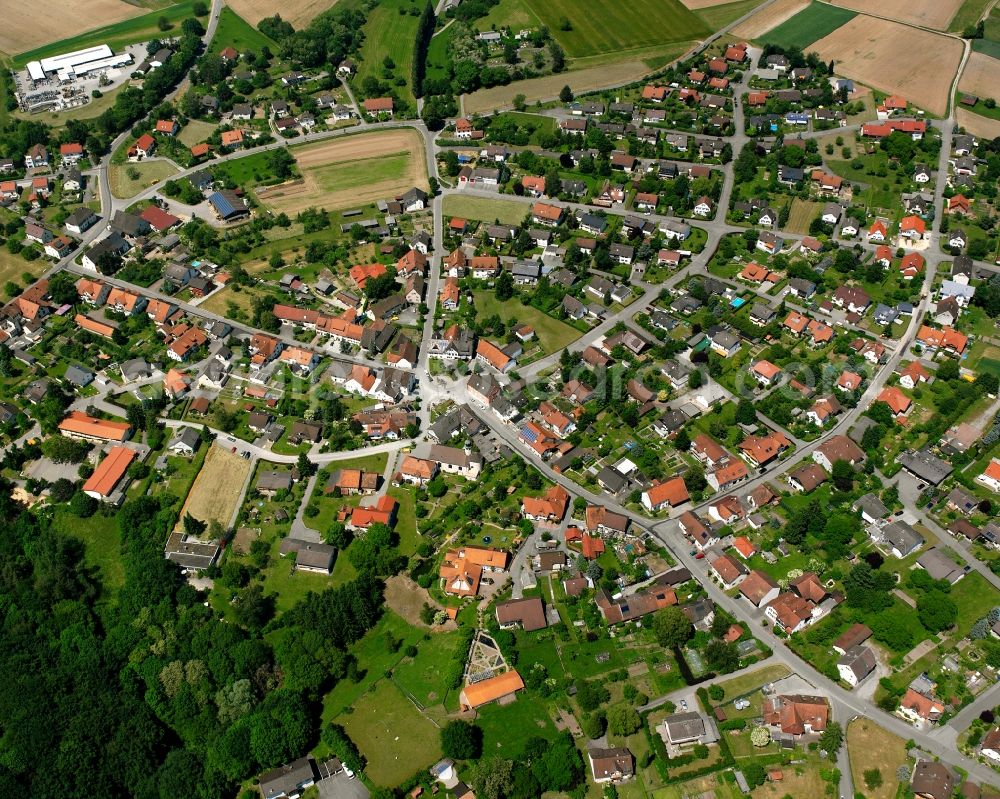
737,303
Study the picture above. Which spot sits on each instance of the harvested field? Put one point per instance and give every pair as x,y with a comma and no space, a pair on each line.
217,488
299,12
351,171
983,127
927,13
891,57
981,76
869,747
31,26
547,88
768,18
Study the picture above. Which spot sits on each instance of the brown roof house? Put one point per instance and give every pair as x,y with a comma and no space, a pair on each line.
758,588
529,614
612,765
796,715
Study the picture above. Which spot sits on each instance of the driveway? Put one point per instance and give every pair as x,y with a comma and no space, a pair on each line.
340,787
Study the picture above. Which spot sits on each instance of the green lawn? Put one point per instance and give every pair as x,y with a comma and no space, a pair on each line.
751,680
354,174
553,334
390,34
437,54
149,172
103,548
425,677
233,31
975,598
128,31
507,727
809,25
395,738
515,14
719,16
507,212
252,168
609,26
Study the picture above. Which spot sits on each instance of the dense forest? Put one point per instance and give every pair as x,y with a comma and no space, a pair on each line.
152,694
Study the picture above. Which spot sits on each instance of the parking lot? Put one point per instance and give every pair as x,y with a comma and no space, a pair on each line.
340,787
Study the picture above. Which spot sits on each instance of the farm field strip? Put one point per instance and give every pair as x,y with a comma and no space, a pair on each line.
351,171
809,25
768,18
388,34
298,12
610,26
925,13
981,76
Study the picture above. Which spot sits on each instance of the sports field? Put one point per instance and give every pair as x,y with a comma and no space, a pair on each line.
891,57
389,34
217,488
809,25
610,26
769,17
44,26
351,171
394,736
926,13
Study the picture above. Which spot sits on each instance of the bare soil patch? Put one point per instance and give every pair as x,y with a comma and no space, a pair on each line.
893,58
299,12
322,190
928,13
981,76
770,17
30,25
217,487
407,599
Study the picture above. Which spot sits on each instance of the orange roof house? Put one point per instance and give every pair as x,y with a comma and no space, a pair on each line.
796,322
361,274
849,381
820,332
109,473
916,705
231,138
592,547
551,506
911,265
459,577
947,338
199,150
79,425
94,326
897,401
760,450
534,185
672,492
959,204
765,371
744,546
501,688
756,273
796,714
912,225
493,355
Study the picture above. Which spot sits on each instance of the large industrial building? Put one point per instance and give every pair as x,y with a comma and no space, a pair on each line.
77,64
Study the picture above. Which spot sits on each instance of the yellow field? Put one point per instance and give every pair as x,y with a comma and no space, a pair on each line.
217,488
869,747
298,12
981,76
351,171
892,58
927,13
769,17
30,25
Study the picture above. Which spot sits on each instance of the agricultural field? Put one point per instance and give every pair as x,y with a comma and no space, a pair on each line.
890,57
978,125
109,22
769,17
351,171
389,34
718,15
298,12
553,334
218,486
613,27
926,13
233,31
579,80
870,747
508,212
809,25
123,185
981,76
